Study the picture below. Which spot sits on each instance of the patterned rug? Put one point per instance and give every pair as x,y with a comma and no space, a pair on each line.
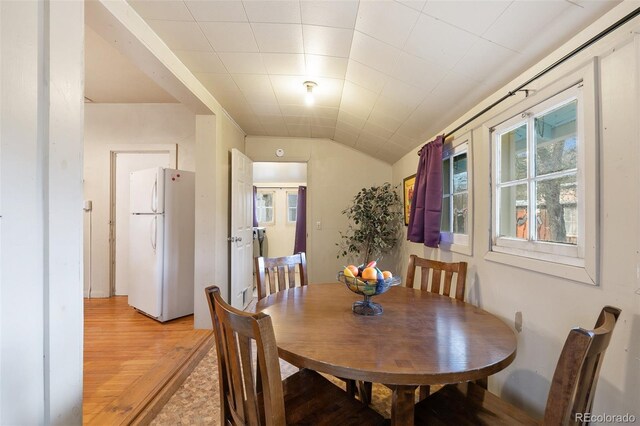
197,402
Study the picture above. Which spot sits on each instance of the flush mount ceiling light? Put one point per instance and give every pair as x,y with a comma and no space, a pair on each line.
309,99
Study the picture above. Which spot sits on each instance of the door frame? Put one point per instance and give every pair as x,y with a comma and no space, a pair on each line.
171,149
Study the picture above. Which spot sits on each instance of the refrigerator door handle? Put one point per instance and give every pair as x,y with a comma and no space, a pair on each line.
154,196
154,232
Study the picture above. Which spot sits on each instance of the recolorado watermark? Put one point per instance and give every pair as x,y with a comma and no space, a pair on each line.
605,418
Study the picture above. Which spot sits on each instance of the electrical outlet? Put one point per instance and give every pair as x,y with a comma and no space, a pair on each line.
318,225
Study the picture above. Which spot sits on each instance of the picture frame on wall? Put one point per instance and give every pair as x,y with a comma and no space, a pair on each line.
408,184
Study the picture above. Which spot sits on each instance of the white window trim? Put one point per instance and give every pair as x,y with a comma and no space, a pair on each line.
286,194
583,267
449,241
273,207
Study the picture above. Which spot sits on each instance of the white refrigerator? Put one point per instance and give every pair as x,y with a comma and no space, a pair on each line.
161,242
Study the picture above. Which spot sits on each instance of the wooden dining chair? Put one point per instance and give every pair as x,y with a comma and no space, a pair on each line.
252,391
438,277
572,388
279,273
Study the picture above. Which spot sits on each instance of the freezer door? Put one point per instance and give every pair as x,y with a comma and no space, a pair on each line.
146,192
146,252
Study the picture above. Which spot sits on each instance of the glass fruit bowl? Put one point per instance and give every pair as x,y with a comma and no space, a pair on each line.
368,289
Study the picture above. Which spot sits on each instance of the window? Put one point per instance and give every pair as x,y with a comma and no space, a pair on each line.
265,205
456,187
292,206
543,179
537,177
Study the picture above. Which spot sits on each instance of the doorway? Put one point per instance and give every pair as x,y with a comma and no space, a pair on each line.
123,163
277,186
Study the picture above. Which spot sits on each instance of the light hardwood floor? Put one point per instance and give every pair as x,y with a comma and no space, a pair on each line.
129,358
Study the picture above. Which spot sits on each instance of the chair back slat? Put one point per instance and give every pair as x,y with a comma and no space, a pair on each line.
246,399
453,272
576,375
279,273
424,278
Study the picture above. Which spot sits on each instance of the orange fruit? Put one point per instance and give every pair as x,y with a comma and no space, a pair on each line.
369,274
386,274
353,269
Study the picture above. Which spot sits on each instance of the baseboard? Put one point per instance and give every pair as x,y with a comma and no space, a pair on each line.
146,397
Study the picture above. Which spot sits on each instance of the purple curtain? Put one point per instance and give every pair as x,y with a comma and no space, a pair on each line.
426,204
255,207
300,244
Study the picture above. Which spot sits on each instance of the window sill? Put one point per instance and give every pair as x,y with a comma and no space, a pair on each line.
456,248
570,272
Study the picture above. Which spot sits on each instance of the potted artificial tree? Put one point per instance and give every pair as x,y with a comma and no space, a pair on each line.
375,220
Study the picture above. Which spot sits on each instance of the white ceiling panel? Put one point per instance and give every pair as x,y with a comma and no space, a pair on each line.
374,53
419,72
357,100
217,11
201,61
329,13
284,63
168,10
523,20
327,41
322,132
414,4
398,21
256,87
351,120
326,66
278,38
345,138
265,110
230,36
365,76
279,11
181,35
243,63
382,118
299,131
389,73
479,16
452,43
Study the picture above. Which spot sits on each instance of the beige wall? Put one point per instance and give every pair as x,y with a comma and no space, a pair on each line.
111,127
550,306
335,174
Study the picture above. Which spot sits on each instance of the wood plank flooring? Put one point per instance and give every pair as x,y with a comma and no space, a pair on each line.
128,356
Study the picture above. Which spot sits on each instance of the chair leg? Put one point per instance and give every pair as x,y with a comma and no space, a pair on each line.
424,391
364,391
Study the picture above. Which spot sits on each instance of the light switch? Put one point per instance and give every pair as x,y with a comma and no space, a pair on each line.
318,225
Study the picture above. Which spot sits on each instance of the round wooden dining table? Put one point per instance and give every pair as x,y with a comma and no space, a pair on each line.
420,339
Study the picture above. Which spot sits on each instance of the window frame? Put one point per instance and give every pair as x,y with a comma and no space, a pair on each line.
450,241
571,253
273,207
546,257
293,192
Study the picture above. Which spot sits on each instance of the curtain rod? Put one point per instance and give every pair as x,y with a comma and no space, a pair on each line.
557,63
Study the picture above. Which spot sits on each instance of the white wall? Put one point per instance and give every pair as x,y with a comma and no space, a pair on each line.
550,306
41,79
111,127
335,173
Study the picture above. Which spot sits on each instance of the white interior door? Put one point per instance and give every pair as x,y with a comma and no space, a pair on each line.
125,163
241,236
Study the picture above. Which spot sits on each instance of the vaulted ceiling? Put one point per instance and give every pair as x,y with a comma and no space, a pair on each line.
390,74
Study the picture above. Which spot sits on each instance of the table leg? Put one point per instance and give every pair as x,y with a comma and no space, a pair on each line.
402,403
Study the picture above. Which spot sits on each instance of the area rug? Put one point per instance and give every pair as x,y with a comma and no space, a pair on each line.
197,402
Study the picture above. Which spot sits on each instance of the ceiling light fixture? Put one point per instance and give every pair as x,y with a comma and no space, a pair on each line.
309,99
